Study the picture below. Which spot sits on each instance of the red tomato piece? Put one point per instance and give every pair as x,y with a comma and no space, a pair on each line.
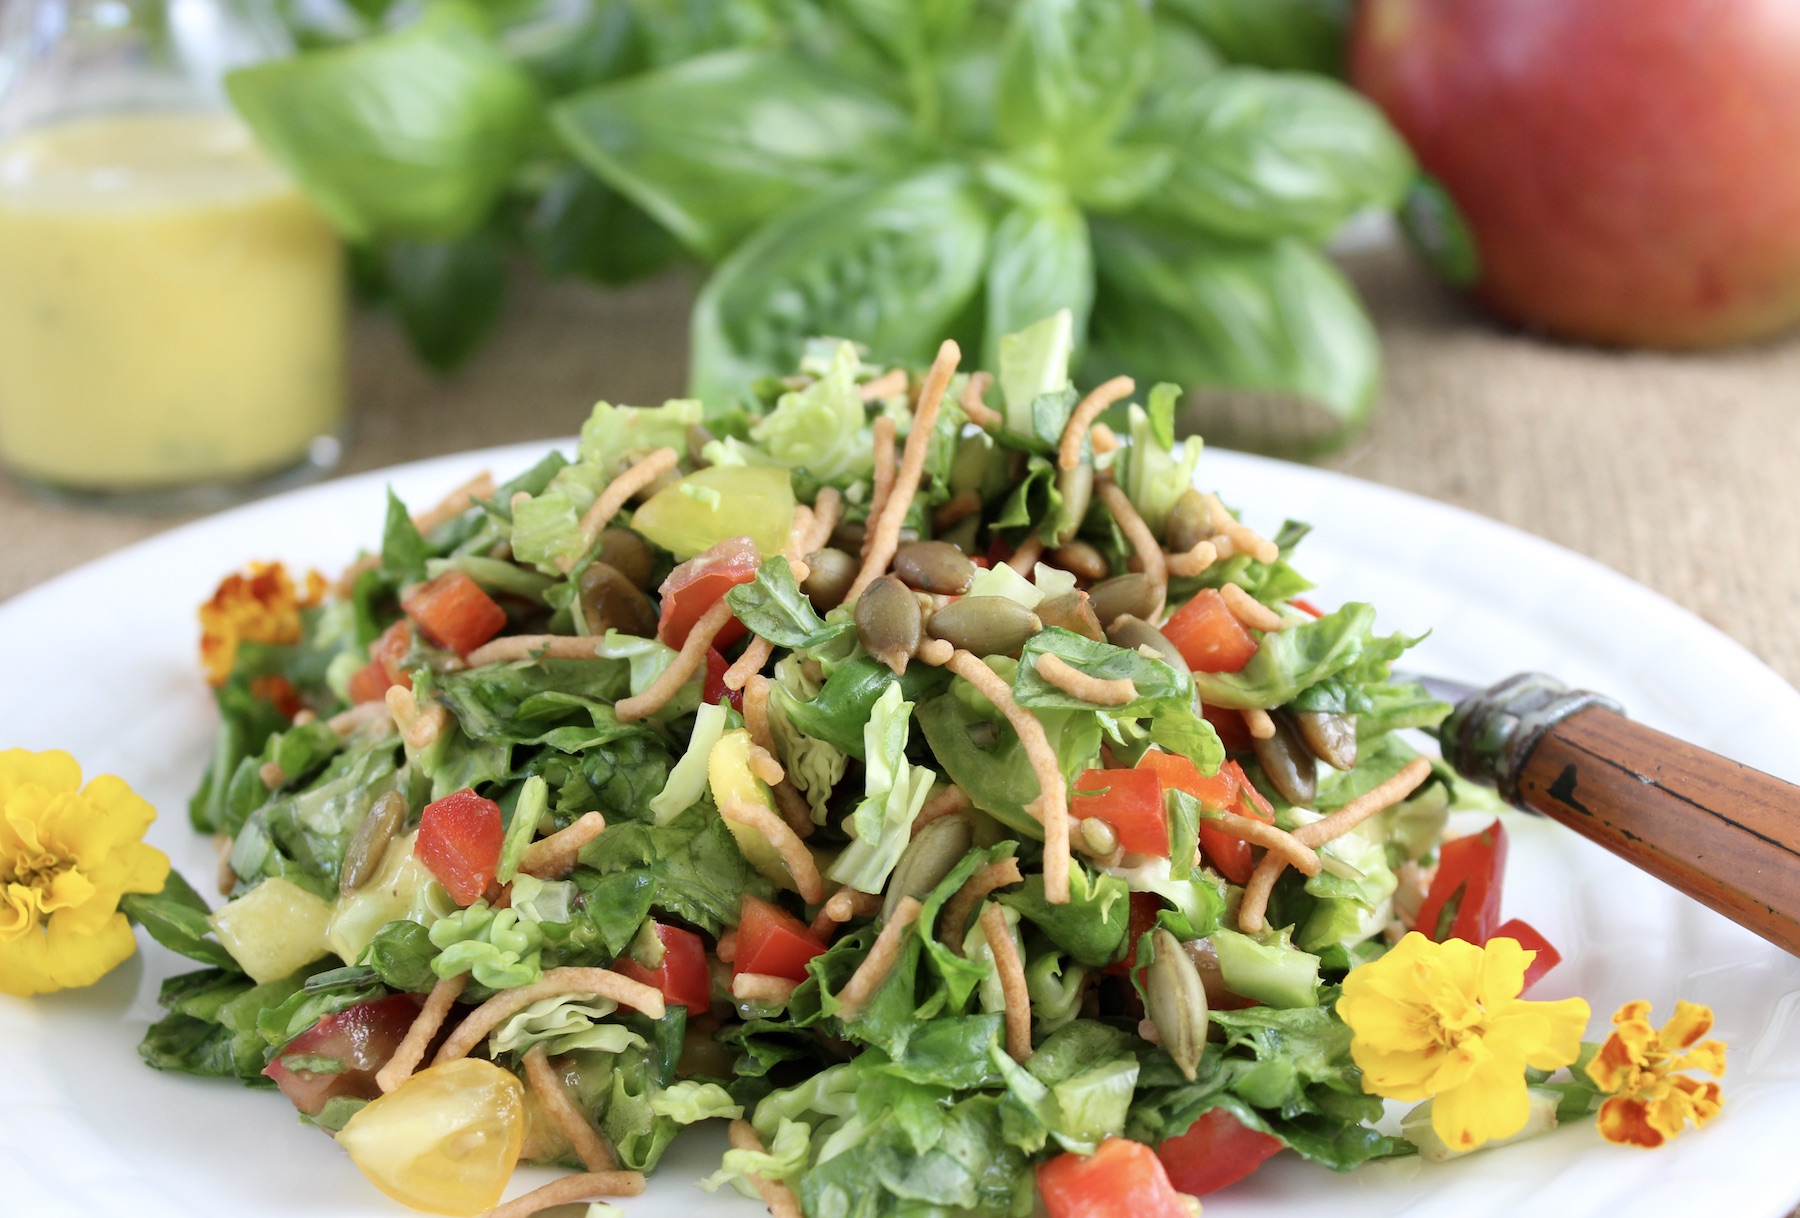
1233,734
1307,607
1528,937
773,942
696,586
1218,1149
389,650
1464,901
1218,791
360,1038
1209,638
715,687
1120,1177
369,683
1144,908
1252,802
459,842
1131,801
453,612
1229,856
682,976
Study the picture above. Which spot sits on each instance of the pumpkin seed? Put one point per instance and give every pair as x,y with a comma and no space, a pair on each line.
628,554
697,440
1132,633
1135,594
963,534
1177,1002
1071,611
888,622
934,566
1081,559
849,534
1190,522
1096,838
968,468
1287,761
1076,486
985,625
368,848
1330,736
831,572
609,601
928,858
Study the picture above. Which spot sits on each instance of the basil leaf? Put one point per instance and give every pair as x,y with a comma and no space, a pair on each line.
774,608
1306,35
579,225
408,134
403,550
1071,71
447,294
1277,319
893,265
176,917
911,31
1039,261
1261,154
717,146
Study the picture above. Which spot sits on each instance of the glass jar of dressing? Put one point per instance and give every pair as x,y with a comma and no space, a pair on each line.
171,307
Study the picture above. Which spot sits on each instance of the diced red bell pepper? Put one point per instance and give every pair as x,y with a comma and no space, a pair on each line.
714,687
459,842
369,683
386,653
1143,910
1233,733
1307,607
453,612
773,942
696,586
1528,937
360,1039
1131,801
1218,1149
682,976
1121,1177
1464,900
1208,636
1229,788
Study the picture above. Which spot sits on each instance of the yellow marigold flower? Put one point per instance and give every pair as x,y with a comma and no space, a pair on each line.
67,854
1444,1022
256,606
1650,1102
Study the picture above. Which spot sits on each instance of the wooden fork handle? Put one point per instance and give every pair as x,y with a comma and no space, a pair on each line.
1723,833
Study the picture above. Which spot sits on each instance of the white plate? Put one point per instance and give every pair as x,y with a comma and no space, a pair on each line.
102,662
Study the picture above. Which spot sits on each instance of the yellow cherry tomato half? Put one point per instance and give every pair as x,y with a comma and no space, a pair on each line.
446,1140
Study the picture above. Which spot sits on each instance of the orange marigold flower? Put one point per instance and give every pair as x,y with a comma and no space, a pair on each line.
255,606
1651,1103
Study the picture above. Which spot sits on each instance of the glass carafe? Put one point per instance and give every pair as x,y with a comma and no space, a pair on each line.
171,307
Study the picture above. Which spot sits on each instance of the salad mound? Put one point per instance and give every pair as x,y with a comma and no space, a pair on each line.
916,769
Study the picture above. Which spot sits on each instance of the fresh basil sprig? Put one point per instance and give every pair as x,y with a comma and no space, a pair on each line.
889,171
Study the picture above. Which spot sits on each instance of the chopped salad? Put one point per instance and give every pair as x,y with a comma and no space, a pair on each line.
917,769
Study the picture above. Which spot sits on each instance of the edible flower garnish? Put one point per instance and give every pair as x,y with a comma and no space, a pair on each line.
260,605
67,854
1444,1021
1650,1102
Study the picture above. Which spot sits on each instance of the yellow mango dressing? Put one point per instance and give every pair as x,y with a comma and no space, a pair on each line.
171,308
